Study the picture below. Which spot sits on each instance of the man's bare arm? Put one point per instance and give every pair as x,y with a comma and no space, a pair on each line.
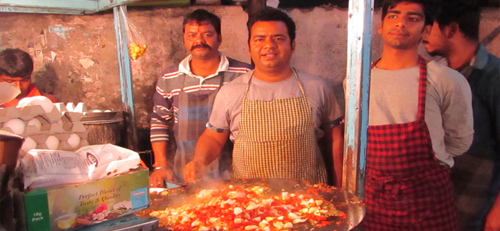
208,148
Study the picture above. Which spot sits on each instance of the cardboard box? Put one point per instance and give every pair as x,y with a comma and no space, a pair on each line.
74,206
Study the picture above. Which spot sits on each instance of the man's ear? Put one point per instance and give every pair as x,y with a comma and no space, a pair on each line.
293,46
427,30
451,30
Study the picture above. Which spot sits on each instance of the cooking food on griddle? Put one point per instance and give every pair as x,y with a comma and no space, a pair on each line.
240,207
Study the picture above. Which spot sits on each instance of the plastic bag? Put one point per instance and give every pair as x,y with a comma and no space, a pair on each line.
45,168
105,160
136,43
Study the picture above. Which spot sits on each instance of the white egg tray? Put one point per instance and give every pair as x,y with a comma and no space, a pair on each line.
55,127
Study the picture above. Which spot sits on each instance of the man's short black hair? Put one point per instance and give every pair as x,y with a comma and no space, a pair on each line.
466,14
200,16
16,63
429,10
272,14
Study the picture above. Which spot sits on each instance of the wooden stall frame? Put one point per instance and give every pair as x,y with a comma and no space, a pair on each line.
357,85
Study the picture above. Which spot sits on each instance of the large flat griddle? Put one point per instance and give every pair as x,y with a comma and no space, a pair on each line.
342,200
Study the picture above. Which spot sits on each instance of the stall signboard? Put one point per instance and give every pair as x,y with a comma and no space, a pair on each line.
73,206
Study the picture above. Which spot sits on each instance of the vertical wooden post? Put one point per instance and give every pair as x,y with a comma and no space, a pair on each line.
123,56
356,94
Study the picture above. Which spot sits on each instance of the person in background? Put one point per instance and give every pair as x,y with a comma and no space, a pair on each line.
16,67
184,97
420,117
455,36
275,115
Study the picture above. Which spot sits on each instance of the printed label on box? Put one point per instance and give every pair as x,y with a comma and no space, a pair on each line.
74,206
139,198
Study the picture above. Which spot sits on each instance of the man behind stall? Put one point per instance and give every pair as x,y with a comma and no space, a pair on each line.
184,96
275,114
420,117
16,67
455,36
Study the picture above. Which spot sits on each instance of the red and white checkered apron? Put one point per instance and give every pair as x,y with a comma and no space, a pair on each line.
405,187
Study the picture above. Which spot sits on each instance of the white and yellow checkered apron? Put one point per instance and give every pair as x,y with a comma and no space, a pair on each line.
276,139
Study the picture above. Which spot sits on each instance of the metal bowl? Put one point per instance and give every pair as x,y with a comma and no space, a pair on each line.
98,115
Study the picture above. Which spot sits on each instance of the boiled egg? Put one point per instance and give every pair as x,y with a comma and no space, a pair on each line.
43,101
36,124
52,142
74,140
28,144
17,126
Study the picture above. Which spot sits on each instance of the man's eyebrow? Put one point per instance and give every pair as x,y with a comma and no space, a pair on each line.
278,35
394,11
409,13
416,13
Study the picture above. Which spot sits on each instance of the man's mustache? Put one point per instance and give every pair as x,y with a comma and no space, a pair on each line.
201,46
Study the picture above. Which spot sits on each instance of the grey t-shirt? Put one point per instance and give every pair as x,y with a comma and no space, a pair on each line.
448,107
226,112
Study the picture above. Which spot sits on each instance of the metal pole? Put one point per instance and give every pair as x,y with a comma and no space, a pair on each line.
356,94
123,56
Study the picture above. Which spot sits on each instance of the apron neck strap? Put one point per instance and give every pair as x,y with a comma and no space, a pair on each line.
422,87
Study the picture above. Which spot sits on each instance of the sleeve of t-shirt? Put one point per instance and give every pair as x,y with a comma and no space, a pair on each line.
332,113
162,115
457,115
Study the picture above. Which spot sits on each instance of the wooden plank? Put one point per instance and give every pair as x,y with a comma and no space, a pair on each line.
356,94
78,5
41,10
108,4
163,3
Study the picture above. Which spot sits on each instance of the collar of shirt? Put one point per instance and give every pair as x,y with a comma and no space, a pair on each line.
186,69
479,61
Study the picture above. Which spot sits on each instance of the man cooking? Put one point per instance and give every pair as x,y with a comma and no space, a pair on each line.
420,117
275,114
16,67
184,97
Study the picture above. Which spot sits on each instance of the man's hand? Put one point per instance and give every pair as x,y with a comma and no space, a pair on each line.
194,170
159,176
